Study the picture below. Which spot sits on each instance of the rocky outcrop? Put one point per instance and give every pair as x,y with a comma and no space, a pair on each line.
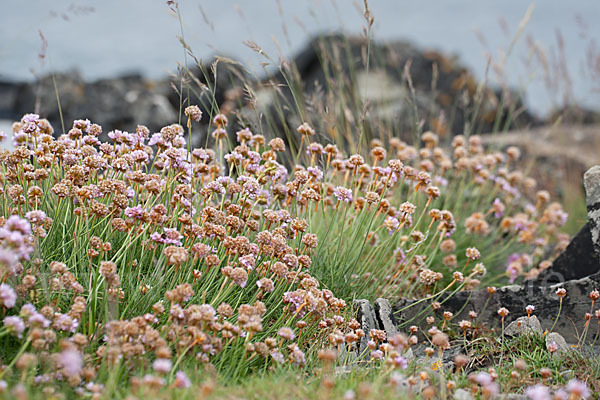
403,87
515,298
121,102
591,182
581,258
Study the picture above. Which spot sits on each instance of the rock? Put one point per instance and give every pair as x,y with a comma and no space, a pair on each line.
386,89
524,325
577,261
515,298
560,341
383,310
8,94
462,394
118,103
368,320
581,258
591,182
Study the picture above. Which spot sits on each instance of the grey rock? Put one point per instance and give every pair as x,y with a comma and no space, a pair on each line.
383,309
524,325
462,394
368,320
448,355
560,341
515,298
591,182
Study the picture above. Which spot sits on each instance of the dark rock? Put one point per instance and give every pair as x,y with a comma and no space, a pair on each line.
515,298
331,61
119,103
335,60
8,95
577,261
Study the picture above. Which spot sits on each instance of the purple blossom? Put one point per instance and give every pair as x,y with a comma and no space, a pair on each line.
71,362
343,194
169,236
14,325
66,323
401,362
162,365
498,207
16,223
483,378
182,381
250,187
27,310
83,124
377,354
578,388
316,173
248,262
234,158
37,319
8,297
157,139
30,118
136,212
538,392
36,216
277,356
8,259
216,187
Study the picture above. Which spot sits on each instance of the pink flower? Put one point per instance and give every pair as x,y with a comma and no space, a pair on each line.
182,381
162,365
14,325
71,362
578,389
538,392
8,297
343,194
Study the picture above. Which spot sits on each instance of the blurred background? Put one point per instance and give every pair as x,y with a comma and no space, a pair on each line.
102,39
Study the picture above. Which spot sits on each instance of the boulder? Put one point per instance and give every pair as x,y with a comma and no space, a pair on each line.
591,182
557,339
581,258
524,326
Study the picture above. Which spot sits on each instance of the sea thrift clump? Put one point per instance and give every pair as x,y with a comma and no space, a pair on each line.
142,256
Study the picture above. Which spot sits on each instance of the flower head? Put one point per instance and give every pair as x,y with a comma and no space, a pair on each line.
71,362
